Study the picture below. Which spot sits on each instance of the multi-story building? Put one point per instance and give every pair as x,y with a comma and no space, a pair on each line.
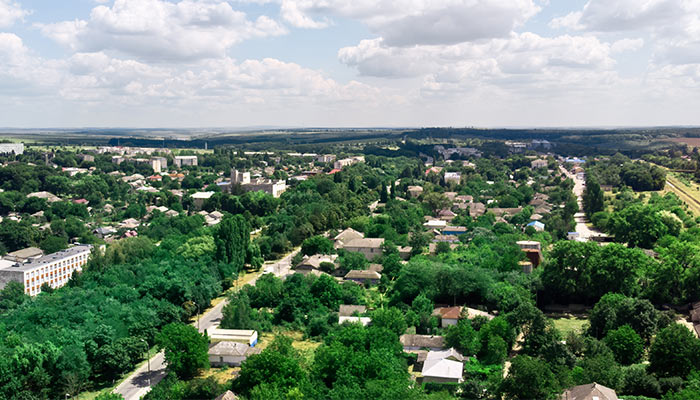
185,161
52,269
239,177
9,148
348,161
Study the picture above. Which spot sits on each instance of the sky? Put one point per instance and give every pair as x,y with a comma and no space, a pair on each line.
349,63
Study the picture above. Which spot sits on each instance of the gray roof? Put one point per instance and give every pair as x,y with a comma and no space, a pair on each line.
348,235
53,257
362,274
26,253
444,364
229,395
347,310
591,391
365,243
422,341
232,349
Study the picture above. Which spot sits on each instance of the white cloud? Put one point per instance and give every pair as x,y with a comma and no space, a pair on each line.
159,30
10,12
627,45
525,53
402,23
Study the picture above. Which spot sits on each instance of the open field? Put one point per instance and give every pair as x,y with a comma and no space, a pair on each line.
689,194
569,323
690,141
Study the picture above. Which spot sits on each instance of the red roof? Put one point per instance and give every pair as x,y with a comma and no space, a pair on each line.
80,201
333,171
451,312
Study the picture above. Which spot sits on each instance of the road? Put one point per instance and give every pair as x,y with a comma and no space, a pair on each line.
138,383
584,232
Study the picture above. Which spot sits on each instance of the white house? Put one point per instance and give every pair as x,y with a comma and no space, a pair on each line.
443,367
231,354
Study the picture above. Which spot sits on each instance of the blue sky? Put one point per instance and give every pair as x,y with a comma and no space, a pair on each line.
217,63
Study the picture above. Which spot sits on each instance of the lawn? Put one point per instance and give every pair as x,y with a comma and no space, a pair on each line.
569,323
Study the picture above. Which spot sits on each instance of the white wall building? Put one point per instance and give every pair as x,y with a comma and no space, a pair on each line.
185,161
9,148
53,269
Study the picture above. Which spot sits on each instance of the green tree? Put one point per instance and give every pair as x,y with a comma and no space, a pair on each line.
674,352
390,318
186,350
593,196
529,379
317,245
626,345
53,244
232,236
278,366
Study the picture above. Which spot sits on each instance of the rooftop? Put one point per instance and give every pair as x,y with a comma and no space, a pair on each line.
70,252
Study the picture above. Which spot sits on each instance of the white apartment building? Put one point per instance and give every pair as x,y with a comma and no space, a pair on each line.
9,148
181,161
348,161
53,269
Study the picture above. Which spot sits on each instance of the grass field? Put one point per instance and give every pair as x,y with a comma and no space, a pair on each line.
690,194
569,324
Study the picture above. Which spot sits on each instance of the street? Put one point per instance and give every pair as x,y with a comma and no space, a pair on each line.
584,232
137,384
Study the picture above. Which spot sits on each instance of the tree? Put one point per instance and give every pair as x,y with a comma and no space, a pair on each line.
593,196
278,366
626,345
236,314
232,237
530,378
317,245
615,310
464,338
390,318
186,350
53,244
674,352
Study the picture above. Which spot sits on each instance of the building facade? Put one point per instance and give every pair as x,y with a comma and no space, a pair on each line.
53,269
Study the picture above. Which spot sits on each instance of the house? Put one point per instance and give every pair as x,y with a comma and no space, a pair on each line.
414,191
104,231
314,262
446,215
443,367
349,310
172,213
463,199
364,321
231,354
446,239
539,226
370,248
363,276
532,249
404,252
412,343
477,210
248,337
200,197
453,177
454,230
130,223
49,197
539,164
346,236
448,315
435,224
591,391
229,395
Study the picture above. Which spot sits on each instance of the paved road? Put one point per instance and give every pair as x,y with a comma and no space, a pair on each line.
584,232
138,383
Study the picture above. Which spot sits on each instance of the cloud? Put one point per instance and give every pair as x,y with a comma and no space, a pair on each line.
159,30
10,12
525,53
422,22
627,45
